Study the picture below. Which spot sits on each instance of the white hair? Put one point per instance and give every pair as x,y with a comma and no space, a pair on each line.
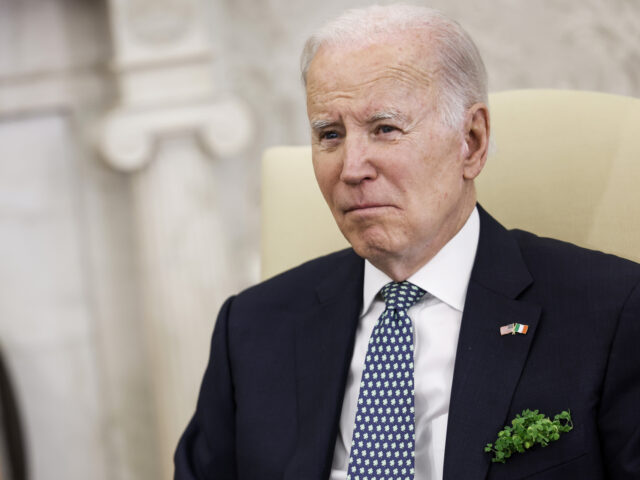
461,78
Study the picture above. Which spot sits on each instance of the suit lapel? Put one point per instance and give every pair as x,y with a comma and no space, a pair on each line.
488,365
324,346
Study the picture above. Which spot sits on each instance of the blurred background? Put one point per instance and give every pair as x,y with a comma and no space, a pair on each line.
130,138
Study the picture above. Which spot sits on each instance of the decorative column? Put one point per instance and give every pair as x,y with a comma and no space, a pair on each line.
170,130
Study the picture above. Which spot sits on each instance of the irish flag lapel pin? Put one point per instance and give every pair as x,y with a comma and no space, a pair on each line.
514,328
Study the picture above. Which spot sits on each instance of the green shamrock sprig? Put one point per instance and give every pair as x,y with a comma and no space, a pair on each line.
528,429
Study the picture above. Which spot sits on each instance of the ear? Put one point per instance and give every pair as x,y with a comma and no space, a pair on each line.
476,138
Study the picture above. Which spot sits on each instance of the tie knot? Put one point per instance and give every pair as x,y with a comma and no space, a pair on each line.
401,295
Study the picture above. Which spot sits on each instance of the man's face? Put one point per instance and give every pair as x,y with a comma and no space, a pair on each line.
389,169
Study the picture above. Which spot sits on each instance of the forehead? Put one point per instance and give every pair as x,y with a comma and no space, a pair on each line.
402,64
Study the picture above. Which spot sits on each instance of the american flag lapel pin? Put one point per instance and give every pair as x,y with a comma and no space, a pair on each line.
514,328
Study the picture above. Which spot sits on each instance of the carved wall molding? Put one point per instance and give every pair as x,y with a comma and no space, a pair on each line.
20,94
161,21
162,64
129,135
144,30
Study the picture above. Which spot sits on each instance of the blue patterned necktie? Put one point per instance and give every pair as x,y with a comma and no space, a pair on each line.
383,443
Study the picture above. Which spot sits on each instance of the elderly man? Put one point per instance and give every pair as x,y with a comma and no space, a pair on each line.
386,361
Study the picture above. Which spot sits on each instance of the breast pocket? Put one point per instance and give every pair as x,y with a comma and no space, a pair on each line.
539,463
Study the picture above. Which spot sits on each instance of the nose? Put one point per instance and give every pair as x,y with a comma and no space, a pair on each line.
357,164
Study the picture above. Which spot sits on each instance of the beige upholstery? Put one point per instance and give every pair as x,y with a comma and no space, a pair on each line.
566,165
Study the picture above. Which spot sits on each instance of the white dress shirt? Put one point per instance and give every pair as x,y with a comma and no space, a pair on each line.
436,321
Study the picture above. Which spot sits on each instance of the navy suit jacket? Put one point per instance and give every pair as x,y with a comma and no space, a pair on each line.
272,393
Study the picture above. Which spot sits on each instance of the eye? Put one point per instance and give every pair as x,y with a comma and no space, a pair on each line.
385,129
329,135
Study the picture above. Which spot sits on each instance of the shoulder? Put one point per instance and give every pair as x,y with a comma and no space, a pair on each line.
297,287
564,265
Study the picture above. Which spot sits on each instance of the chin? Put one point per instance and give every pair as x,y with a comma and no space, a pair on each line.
372,246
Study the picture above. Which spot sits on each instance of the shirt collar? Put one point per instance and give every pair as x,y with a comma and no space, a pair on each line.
446,276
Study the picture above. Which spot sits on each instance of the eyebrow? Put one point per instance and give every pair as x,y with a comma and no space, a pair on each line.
387,115
318,125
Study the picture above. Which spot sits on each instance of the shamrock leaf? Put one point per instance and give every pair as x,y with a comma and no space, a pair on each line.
528,429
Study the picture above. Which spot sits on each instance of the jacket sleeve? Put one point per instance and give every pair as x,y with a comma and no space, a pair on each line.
206,450
619,416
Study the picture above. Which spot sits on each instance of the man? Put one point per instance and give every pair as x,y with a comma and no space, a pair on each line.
386,360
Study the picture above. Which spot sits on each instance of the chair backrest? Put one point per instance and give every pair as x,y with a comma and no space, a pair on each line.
566,165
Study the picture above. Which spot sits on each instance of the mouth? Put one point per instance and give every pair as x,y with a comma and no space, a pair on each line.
366,207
